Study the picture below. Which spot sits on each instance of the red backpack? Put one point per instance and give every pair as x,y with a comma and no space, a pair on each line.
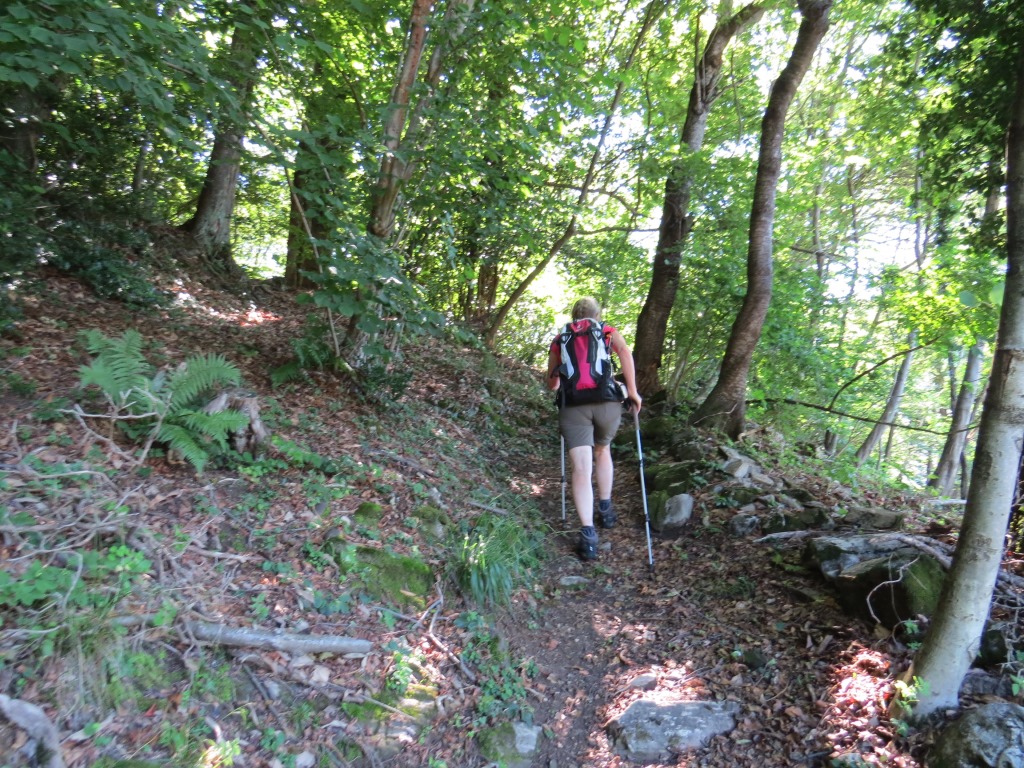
586,369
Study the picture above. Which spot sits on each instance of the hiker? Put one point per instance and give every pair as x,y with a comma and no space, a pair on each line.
590,409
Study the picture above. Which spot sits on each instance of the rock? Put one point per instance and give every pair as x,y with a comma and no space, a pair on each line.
978,682
781,519
763,479
902,581
650,731
893,588
991,736
509,744
742,494
661,477
873,517
644,682
833,554
738,468
744,525
678,510
573,581
668,514
996,647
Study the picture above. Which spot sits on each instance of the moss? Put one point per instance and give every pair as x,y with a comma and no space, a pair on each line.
498,743
429,514
399,579
368,513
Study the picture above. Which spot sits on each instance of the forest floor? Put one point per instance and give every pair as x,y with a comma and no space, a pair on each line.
717,617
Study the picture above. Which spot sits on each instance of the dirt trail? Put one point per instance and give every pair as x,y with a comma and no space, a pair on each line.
719,618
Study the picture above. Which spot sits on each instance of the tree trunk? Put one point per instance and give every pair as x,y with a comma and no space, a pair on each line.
725,408
676,222
892,405
305,222
404,134
210,225
651,14
952,642
952,451
392,170
21,123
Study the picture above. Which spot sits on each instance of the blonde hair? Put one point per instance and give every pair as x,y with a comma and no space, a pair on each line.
586,307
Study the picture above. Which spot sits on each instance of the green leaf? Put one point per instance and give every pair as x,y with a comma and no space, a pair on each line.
995,294
968,299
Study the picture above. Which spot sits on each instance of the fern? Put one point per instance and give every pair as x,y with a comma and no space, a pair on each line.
119,368
180,439
168,401
200,375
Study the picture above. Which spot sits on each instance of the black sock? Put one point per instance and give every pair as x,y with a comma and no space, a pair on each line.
604,505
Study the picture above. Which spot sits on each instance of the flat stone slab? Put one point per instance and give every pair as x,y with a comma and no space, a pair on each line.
651,731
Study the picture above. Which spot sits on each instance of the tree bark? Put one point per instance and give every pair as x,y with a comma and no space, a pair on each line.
952,642
892,404
953,449
25,111
210,225
725,407
390,177
676,222
305,223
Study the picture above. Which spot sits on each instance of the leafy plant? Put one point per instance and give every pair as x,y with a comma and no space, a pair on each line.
161,406
502,678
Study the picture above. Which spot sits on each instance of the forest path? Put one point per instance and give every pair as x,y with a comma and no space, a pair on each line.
718,618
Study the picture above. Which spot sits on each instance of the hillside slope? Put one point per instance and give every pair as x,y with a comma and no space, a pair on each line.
383,518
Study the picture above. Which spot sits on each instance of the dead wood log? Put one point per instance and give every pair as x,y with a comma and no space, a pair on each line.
34,722
250,437
278,641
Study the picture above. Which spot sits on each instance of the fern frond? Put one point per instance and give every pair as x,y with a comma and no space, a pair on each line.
119,366
290,371
216,426
179,439
200,374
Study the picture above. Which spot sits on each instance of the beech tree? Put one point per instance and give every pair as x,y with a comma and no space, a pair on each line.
210,225
725,407
949,462
952,641
676,220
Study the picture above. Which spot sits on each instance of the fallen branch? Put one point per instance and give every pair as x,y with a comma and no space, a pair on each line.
487,507
278,641
785,536
37,725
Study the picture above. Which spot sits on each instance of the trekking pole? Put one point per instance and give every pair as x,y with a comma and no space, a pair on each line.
563,479
643,491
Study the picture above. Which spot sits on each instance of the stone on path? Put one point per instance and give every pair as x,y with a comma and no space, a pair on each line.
651,731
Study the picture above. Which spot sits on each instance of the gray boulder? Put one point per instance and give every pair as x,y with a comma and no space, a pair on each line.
661,477
892,589
510,744
873,517
878,578
669,513
650,731
991,736
744,525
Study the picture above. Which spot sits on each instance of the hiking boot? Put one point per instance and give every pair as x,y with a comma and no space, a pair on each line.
606,518
587,547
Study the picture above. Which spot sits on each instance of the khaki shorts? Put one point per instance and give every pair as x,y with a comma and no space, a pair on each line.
594,424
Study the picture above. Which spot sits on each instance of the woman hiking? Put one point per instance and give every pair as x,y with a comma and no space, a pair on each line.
590,410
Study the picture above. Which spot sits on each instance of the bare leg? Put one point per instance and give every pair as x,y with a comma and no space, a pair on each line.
604,471
582,458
